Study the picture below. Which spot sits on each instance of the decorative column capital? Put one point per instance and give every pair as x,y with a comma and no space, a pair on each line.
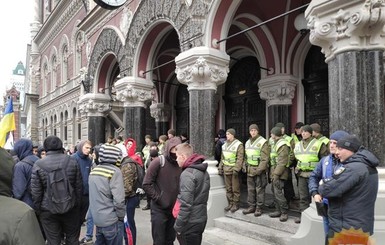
346,25
202,68
160,112
278,90
94,104
134,91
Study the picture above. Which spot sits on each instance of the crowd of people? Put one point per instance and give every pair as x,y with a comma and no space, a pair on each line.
47,193
338,173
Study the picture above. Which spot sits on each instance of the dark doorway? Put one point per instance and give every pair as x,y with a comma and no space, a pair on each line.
243,103
316,89
182,110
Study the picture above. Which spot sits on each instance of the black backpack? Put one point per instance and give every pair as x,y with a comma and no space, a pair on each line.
61,194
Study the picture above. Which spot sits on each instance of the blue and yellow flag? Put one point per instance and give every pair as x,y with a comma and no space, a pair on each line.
7,123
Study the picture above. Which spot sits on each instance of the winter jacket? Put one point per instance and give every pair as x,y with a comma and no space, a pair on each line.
128,169
6,173
161,183
18,223
106,195
85,164
193,195
352,193
39,178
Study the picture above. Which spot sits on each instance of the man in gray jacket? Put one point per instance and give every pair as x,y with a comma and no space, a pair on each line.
106,191
191,207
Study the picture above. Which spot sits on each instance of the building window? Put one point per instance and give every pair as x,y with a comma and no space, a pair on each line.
79,130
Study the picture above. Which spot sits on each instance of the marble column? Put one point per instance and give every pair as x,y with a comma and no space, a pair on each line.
202,69
161,113
134,92
278,91
351,35
94,107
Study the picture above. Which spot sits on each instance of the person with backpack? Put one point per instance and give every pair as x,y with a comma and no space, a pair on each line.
133,175
107,196
161,183
56,187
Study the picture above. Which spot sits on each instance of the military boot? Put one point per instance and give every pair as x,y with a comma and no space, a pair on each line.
283,217
258,212
228,207
235,207
275,214
250,210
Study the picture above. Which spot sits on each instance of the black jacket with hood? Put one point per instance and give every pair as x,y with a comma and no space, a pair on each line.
161,183
352,193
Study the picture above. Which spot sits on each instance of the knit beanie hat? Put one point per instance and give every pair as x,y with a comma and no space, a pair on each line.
231,131
298,125
280,125
52,143
349,142
110,154
337,135
276,131
307,128
316,127
253,126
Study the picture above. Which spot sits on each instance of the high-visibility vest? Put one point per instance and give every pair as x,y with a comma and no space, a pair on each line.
324,140
229,152
295,137
253,150
307,158
287,138
274,150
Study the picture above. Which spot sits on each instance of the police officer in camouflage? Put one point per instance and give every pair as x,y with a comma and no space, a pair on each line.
255,165
279,171
308,153
230,165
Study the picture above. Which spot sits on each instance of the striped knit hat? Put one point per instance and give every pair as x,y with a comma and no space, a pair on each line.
110,154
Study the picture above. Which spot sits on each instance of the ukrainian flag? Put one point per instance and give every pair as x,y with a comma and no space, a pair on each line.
7,123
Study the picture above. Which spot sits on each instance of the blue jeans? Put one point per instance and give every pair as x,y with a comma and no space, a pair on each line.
90,225
131,203
110,235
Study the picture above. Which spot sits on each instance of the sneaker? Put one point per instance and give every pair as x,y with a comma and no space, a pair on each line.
85,240
249,210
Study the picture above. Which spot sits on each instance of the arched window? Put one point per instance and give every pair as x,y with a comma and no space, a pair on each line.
78,52
53,72
64,64
45,80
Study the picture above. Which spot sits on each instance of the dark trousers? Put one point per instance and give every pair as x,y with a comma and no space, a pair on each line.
131,203
193,235
162,225
256,190
83,210
303,191
289,187
233,192
56,224
279,197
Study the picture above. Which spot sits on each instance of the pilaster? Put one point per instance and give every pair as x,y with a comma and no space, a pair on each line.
202,69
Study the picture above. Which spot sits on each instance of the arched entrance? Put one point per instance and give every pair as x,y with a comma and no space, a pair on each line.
316,89
243,103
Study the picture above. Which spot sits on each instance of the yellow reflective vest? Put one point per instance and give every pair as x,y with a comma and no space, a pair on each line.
307,158
229,152
274,150
253,151
324,140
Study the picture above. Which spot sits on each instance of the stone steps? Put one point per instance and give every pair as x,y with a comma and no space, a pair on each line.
238,229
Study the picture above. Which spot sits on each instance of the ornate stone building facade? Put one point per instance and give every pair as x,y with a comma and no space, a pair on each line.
201,65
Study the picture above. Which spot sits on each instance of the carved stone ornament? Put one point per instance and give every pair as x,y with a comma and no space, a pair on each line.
278,90
160,112
346,25
202,68
94,104
134,91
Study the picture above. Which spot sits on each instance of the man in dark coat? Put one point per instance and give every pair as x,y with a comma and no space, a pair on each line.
193,196
161,183
56,224
352,190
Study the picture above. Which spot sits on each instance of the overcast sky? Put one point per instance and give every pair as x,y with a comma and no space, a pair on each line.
15,19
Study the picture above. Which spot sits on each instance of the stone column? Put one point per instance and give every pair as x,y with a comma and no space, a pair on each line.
202,69
161,113
94,107
134,92
352,38
278,91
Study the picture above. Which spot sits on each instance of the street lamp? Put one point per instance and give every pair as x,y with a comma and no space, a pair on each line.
300,23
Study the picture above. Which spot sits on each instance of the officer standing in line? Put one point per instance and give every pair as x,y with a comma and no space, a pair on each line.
308,153
230,165
317,134
279,171
297,134
255,165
